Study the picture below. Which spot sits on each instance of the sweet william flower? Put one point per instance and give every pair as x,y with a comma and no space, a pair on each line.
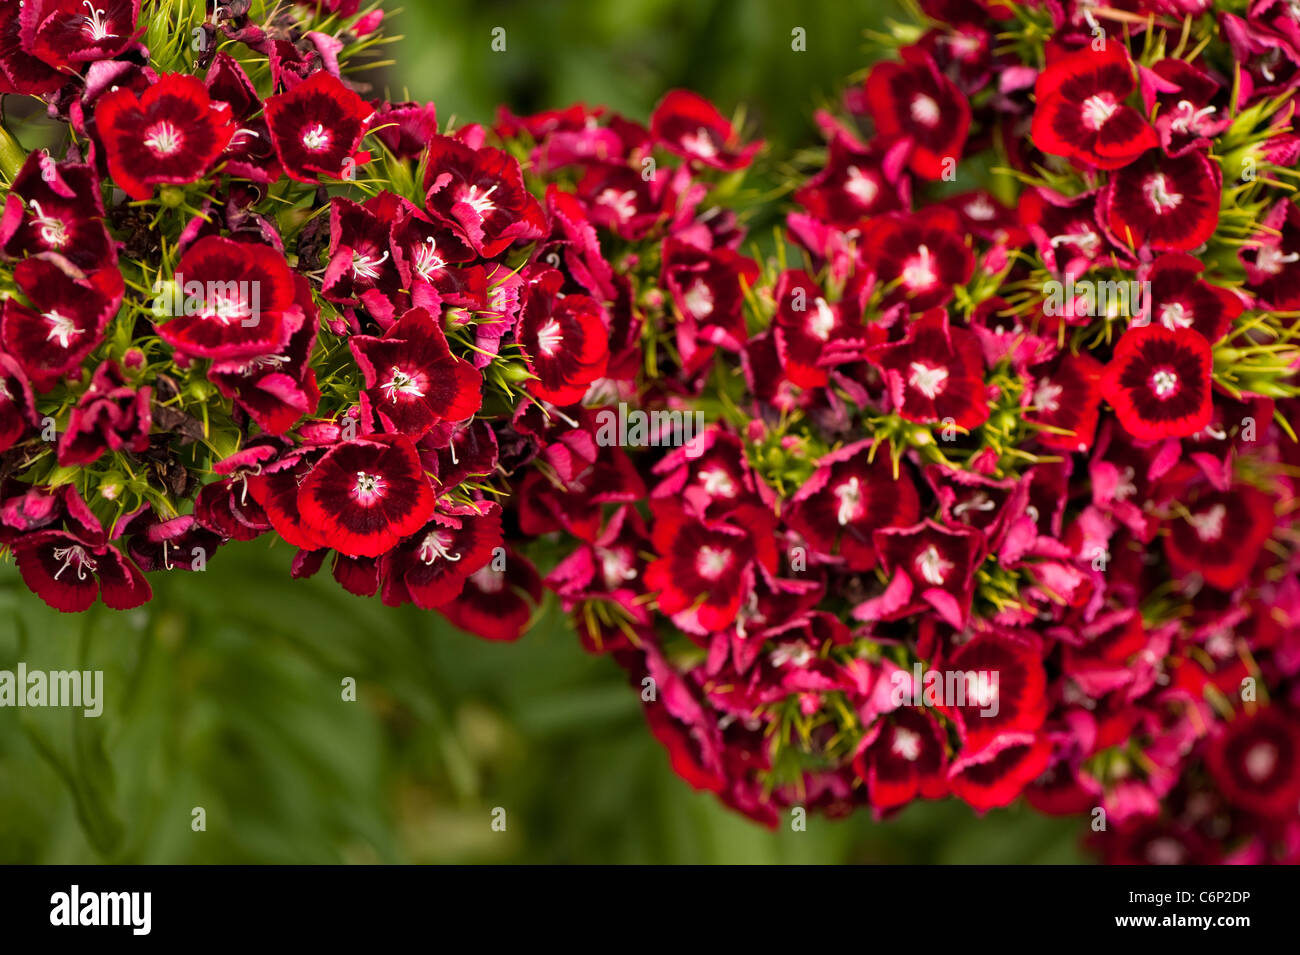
17,408
564,338
56,207
1159,382
170,134
413,380
67,33
920,256
431,566
1164,203
317,128
65,319
20,71
1081,111
498,599
111,416
481,193
915,102
998,774
687,124
936,373
902,756
1221,536
365,496
1255,760
1180,298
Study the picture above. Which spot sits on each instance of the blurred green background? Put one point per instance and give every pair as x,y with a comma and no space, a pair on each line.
225,692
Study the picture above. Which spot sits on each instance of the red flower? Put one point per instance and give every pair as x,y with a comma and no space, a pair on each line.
238,301
1081,114
1159,382
69,569
170,135
904,755
706,286
1272,268
995,776
936,373
852,186
934,562
480,192
848,497
564,339
1066,395
922,253
17,407
1222,535
1180,298
67,33
276,389
915,102
66,321
56,207
498,599
1005,690
110,416
812,333
1162,202
364,496
317,128
430,568
20,72
1256,761
705,568
413,380
687,124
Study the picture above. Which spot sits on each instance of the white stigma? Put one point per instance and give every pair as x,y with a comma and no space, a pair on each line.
928,380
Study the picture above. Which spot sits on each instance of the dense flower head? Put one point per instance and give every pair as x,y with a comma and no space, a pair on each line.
975,486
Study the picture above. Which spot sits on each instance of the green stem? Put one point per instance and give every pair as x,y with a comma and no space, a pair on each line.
12,155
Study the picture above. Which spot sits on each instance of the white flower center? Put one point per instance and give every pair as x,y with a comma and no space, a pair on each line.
1046,395
74,555
700,142
918,271
1164,383
622,204
435,545
906,744
1260,761
1097,109
616,566
718,483
400,383
1175,315
480,202
699,299
925,110
61,328
367,266
316,138
1209,524
822,321
1270,259
369,488
850,497
929,380
163,139
427,259
95,26
861,186
549,337
1156,189
933,567
53,232
712,562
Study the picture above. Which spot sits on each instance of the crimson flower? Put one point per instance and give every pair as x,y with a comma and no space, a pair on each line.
936,373
914,101
564,338
497,600
1163,202
1256,761
1081,112
413,380
1159,382
430,567
365,496
687,124
171,134
922,256
317,128
111,416
1221,536
902,756
480,192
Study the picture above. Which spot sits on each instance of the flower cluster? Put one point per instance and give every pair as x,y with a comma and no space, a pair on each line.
975,481
995,494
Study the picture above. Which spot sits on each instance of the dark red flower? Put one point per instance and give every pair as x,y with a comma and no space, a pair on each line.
921,256
17,406
1005,690
902,756
365,496
480,192
1272,262
687,124
181,543
498,599
1066,396
278,389
405,128
933,565
915,102
706,286
936,373
996,775
56,207
811,332
564,339
69,569
413,380
20,72
1256,761
171,134
1081,114
317,128
1163,202
1159,382
1180,298
65,322
705,568
855,184
430,568
111,416
237,301
1221,536
848,497
67,33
